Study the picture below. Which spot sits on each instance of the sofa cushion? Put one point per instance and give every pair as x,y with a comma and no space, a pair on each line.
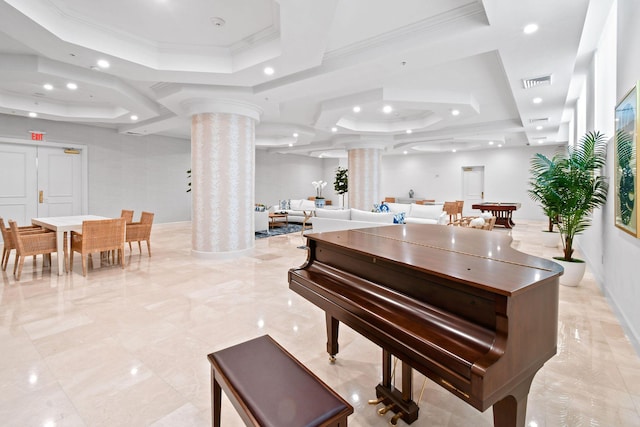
334,213
398,207
358,215
302,205
425,211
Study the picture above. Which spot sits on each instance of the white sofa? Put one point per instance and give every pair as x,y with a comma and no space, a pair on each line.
297,209
261,221
347,219
420,214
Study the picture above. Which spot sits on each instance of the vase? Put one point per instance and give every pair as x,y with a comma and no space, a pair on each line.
320,203
573,271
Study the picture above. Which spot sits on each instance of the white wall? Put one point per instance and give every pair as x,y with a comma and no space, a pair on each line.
439,176
621,250
288,176
125,172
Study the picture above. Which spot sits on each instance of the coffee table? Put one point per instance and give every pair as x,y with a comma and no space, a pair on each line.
278,218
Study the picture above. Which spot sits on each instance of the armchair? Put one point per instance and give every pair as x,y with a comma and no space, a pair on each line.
98,236
140,231
31,243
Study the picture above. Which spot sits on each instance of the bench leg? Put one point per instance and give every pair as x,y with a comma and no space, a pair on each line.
216,400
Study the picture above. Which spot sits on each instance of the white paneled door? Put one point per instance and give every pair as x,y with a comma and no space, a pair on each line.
39,181
473,187
59,182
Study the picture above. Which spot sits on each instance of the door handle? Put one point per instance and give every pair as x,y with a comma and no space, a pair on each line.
41,197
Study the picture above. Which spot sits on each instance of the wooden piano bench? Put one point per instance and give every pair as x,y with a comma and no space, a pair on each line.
269,387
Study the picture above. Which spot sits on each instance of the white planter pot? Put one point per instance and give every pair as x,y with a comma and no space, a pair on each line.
573,272
550,239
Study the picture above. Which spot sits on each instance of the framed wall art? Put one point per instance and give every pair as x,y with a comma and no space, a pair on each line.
627,212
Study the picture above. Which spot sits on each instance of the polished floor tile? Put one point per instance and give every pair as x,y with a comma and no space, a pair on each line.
128,347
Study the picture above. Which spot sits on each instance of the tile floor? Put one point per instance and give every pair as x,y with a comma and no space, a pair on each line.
128,347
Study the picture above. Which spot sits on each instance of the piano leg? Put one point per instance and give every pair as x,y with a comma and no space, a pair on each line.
332,337
512,410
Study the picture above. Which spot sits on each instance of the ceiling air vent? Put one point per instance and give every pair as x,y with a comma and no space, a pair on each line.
539,120
538,81
134,133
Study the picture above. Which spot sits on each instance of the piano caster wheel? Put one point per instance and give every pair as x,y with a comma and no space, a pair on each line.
332,359
395,418
386,409
375,401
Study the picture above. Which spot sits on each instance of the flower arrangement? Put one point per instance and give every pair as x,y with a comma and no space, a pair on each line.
319,185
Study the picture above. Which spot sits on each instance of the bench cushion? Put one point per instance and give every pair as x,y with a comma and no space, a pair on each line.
274,386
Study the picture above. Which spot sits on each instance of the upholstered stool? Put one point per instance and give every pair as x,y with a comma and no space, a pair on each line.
269,387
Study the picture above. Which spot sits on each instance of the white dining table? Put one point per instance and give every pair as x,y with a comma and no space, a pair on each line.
62,225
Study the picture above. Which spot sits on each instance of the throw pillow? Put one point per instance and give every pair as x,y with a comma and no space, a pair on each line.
399,218
384,207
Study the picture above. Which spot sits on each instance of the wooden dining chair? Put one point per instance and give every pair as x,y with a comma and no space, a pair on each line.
31,243
8,243
140,231
103,235
127,215
459,207
451,209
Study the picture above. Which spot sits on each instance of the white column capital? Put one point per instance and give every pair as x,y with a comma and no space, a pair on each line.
221,105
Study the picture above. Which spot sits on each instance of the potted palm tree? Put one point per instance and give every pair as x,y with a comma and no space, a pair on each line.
540,191
578,189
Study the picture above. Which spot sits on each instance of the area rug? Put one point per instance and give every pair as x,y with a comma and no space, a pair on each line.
277,231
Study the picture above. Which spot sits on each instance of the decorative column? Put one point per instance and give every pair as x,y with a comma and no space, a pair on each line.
223,178
364,177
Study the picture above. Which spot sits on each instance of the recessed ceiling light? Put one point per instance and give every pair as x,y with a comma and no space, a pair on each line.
499,145
454,150
387,109
32,114
356,109
541,142
490,142
134,117
269,71
72,86
405,152
295,134
409,131
455,112
48,86
290,144
334,129
103,63
530,29
537,100
538,127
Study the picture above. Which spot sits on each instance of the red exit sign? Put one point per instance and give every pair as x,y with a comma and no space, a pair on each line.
37,136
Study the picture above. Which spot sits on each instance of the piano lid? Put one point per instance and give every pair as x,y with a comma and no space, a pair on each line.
483,259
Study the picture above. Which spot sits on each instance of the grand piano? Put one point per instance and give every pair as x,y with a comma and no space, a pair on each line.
459,305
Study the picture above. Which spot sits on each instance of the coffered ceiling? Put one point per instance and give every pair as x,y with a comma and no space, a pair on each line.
449,72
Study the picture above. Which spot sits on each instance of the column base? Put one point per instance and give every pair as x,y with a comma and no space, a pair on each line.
222,255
